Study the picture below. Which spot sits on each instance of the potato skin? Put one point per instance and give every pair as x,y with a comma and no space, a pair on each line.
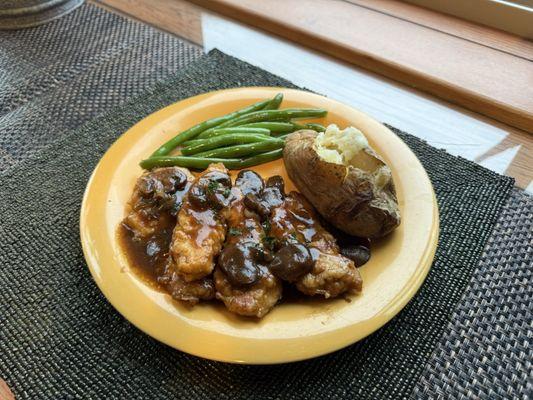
347,197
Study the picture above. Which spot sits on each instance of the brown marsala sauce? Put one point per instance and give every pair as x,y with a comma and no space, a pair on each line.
153,206
148,257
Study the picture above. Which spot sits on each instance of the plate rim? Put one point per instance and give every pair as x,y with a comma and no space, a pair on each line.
394,307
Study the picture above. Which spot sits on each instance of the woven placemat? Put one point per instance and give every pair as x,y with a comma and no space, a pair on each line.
486,351
59,338
55,77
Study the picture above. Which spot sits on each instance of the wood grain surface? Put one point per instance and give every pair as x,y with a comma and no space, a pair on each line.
5,392
466,30
176,16
483,79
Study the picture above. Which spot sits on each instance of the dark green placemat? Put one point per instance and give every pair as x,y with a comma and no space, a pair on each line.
59,338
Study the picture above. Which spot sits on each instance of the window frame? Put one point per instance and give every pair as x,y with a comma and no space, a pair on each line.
513,16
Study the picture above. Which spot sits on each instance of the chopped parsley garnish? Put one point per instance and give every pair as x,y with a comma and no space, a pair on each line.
212,186
293,235
227,192
234,231
269,241
266,226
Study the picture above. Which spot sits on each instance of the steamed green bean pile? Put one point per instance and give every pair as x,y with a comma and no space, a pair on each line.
244,138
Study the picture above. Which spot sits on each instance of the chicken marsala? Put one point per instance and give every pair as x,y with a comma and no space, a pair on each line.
156,199
190,292
201,225
199,238
242,279
146,231
305,253
332,273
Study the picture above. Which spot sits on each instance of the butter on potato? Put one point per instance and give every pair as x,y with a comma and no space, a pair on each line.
340,147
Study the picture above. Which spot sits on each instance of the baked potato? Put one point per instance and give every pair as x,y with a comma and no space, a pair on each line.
344,179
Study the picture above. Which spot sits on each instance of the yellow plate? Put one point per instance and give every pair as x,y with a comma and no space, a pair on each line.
292,331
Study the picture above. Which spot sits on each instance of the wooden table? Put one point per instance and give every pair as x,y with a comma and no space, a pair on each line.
493,144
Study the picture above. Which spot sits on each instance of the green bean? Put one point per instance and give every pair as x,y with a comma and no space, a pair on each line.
275,102
242,149
191,142
273,115
315,127
203,163
209,132
294,127
239,129
311,125
259,159
182,161
297,127
225,140
192,132
226,131
236,129
277,127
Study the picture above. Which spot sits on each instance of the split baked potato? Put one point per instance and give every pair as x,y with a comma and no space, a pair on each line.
344,179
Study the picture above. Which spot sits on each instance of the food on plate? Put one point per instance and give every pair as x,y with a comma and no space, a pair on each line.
243,280
269,115
157,196
243,149
250,136
227,142
355,248
202,163
234,129
254,301
304,252
194,131
234,243
225,137
344,179
206,237
201,224
272,127
147,229
314,127
190,292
